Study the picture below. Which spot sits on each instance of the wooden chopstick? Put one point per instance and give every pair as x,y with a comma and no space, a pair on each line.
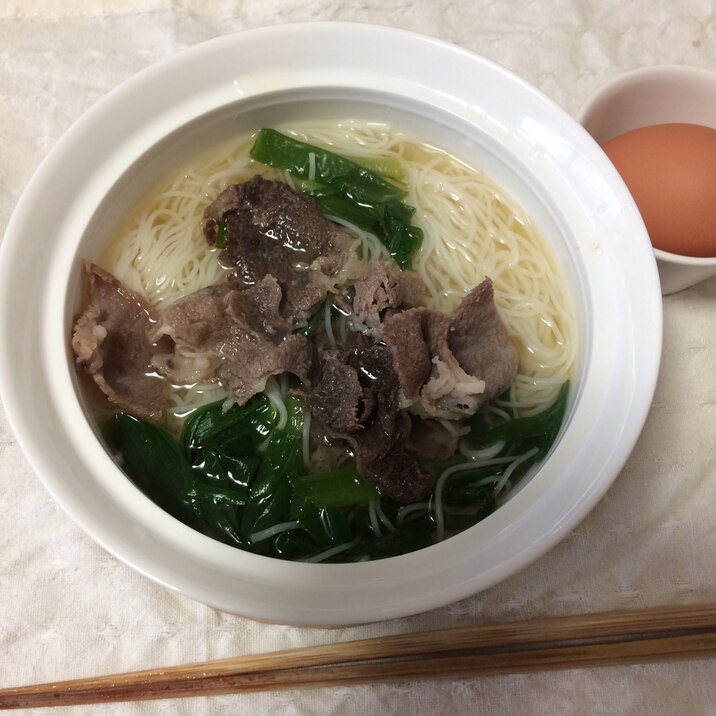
608,638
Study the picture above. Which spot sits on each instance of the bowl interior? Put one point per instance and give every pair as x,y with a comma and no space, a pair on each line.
427,122
430,123
651,95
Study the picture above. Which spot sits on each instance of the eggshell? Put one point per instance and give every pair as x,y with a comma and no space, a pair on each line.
670,170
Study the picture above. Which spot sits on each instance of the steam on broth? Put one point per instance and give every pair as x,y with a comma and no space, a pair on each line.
273,474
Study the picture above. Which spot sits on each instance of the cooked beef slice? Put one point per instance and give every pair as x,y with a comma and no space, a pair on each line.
432,439
257,308
449,366
405,335
234,335
357,400
251,361
111,341
198,320
399,474
374,369
479,340
383,290
270,229
337,400
198,325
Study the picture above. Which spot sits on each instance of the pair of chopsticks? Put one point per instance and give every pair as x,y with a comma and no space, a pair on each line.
609,638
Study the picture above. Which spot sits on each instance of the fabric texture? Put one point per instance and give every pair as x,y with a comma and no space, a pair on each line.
68,609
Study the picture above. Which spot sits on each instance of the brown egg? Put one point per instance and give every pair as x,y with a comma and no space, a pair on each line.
670,170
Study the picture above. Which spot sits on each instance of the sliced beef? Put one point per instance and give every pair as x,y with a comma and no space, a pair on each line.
406,334
270,229
433,439
384,290
111,341
337,400
399,474
258,308
200,319
250,363
356,399
237,336
449,366
479,341
374,368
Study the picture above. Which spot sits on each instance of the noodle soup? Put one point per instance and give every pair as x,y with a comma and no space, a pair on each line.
471,230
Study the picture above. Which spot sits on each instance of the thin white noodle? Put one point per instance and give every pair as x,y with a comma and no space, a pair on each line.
507,474
342,321
483,453
499,412
273,393
438,509
371,249
472,229
328,324
407,510
306,438
331,552
383,518
274,530
283,384
373,515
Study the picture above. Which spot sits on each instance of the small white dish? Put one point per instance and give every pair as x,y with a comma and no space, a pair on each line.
657,95
446,95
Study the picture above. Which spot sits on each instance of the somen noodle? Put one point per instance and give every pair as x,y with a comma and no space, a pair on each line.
471,230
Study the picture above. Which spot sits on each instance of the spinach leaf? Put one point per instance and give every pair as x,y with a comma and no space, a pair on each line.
270,491
344,189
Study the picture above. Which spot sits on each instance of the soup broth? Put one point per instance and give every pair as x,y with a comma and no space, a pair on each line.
321,509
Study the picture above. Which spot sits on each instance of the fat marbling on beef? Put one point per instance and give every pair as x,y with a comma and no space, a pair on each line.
450,365
383,290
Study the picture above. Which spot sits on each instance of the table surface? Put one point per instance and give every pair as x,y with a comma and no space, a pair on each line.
68,609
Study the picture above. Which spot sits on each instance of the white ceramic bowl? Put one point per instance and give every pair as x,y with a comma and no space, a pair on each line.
656,95
448,96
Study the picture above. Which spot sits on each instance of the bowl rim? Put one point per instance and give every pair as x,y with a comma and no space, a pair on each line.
625,80
683,259
338,600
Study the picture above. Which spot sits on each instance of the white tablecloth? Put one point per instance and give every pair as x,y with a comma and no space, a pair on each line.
68,609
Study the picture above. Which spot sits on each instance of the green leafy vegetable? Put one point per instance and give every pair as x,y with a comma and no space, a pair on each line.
310,162
219,469
337,488
270,497
239,474
220,239
327,526
401,542
313,322
538,430
155,463
386,167
235,430
344,189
